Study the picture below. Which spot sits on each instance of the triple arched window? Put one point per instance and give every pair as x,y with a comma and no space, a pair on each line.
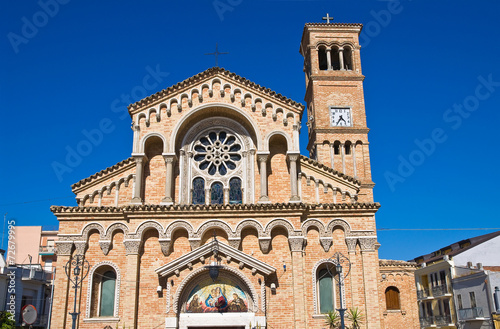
217,194
335,58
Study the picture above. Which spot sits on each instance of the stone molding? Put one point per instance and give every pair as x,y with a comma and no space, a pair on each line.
185,284
64,248
315,283
205,251
133,240
117,287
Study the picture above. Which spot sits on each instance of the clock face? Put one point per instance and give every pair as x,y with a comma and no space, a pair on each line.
340,117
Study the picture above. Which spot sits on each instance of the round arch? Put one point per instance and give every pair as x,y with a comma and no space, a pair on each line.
216,109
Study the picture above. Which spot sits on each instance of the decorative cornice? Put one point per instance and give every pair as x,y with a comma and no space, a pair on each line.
333,25
103,172
206,74
210,208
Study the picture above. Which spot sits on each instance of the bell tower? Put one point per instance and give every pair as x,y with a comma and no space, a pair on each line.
338,134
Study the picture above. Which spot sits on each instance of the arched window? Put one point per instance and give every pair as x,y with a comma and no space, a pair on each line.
325,291
103,291
198,192
107,298
347,58
392,298
323,62
235,193
217,193
335,59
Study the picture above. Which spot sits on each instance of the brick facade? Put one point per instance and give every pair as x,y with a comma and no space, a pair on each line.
295,212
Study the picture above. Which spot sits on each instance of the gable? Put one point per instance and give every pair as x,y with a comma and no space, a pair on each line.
205,252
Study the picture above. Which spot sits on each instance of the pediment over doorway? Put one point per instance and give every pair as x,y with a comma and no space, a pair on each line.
204,252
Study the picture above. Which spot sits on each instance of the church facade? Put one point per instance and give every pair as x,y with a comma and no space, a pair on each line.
217,220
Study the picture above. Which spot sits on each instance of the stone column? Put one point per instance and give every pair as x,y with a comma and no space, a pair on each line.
370,260
262,158
329,58
341,59
117,194
298,281
332,155
139,164
353,146
208,197
226,195
130,282
342,153
169,181
293,157
62,284
135,147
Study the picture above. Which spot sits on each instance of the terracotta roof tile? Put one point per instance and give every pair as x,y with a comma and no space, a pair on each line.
209,72
103,172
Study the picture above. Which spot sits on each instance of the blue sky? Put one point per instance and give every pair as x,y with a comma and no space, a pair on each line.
432,93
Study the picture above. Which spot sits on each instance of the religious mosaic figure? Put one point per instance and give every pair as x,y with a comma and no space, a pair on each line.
210,297
195,305
237,304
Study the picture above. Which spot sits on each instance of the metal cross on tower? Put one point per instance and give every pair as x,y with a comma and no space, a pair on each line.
327,18
216,54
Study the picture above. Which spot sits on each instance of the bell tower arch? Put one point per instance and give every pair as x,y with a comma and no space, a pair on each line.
338,133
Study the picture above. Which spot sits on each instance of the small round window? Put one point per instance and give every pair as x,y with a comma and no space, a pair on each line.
217,152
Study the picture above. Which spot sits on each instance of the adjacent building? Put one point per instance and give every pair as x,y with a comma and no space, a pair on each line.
456,284
29,274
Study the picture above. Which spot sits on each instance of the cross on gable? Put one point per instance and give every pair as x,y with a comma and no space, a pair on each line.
216,54
327,18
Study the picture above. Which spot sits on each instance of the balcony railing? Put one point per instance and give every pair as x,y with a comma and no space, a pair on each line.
442,319
470,313
47,250
423,293
426,321
440,290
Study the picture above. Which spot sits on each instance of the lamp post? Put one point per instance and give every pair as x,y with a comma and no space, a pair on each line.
342,269
213,268
80,270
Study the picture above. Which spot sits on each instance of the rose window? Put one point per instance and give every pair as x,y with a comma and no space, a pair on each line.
217,152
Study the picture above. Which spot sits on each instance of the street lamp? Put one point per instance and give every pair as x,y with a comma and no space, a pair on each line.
340,261
213,268
80,270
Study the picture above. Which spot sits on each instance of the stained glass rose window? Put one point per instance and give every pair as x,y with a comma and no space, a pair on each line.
217,152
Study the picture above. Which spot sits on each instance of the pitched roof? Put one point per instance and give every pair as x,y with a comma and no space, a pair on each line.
330,170
455,248
206,251
103,172
212,72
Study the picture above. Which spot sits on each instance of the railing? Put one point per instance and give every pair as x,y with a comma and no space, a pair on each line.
440,290
47,249
470,313
426,321
442,319
36,274
423,293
